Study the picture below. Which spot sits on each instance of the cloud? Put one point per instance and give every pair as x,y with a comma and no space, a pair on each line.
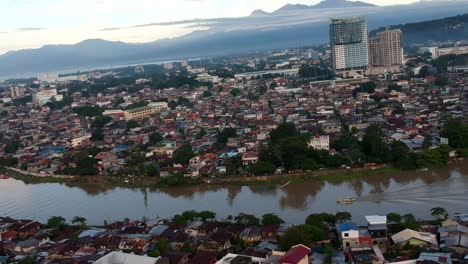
28,29
111,29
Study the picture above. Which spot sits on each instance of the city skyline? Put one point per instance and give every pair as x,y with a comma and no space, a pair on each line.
69,22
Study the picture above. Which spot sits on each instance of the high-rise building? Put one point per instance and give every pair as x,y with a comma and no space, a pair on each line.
16,92
386,49
349,45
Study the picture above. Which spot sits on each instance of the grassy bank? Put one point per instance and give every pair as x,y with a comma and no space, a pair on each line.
313,176
107,182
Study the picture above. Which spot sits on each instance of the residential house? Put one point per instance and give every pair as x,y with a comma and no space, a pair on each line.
298,254
249,158
27,246
319,142
106,160
216,241
415,238
29,230
349,234
251,234
377,226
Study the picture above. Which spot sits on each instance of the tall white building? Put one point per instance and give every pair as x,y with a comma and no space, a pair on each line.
16,92
349,45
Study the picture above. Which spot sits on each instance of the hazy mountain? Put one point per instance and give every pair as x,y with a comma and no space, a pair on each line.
259,12
325,4
225,36
439,30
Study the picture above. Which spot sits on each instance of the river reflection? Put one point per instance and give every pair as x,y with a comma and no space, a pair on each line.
414,192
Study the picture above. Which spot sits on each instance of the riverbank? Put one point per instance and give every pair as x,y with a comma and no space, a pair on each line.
107,182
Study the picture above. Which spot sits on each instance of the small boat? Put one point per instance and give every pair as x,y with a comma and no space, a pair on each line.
286,184
347,200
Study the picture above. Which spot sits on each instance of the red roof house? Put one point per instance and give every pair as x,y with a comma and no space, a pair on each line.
298,254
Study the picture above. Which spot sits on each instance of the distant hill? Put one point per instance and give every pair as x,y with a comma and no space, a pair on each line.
324,4
439,30
259,12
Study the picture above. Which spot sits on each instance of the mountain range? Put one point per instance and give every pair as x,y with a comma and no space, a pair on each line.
289,26
439,30
321,5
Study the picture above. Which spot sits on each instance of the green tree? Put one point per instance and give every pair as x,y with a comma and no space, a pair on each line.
283,131
12,146
367,87
100,121
161,248
57,224
439,213
79,220
119,100
206,94
247,219
132,124
262,168
56,221
235,92
457,133
394,218
233,165
294,236
312,70
374,147
400,154
342,217
27,260
87,110
271,219
183,154
97,135
207,215
225,134
409,221
155,138
441,80
427,141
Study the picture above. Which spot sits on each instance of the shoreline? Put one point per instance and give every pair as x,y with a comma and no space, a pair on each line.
107,182
149,182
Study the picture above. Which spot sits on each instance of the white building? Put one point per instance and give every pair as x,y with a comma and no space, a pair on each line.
319,142
159,106
17,92
42,97
204,77
48,77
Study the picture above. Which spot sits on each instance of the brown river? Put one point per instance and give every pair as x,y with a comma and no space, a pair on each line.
404,192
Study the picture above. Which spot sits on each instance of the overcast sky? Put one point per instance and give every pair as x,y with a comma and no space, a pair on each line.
34,23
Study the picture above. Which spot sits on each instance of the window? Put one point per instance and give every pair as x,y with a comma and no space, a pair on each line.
346,234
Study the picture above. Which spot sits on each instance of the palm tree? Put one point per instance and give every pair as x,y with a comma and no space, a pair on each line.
79,220
439,213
